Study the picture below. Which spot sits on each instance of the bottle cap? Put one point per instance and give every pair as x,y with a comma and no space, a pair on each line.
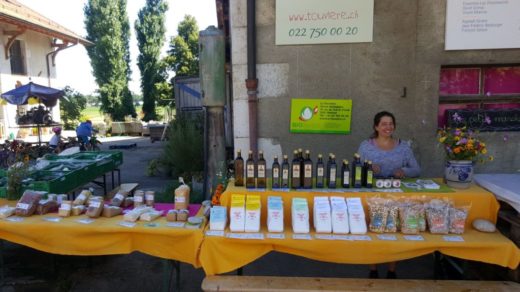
307,152
285,156
319,155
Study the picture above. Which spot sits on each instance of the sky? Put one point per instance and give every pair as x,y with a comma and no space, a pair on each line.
73,64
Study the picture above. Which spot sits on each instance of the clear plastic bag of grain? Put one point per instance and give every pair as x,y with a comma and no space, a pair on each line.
392,220
149,198
46,206
28,203
65,208
182,195
458,217
139,198
6,211
95,208
437,215
378,213
82,198
118,199
409,217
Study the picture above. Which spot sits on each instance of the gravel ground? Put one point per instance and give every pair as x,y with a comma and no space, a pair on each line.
31,270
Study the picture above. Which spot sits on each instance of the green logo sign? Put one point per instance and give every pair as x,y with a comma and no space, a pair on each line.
321,116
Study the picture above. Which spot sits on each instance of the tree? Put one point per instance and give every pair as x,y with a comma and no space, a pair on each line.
183,55
108,28
71,107
150,30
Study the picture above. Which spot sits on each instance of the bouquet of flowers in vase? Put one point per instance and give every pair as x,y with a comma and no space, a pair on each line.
462,144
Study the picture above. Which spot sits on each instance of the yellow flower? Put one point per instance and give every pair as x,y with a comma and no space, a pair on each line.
484,151
442,139
491,158
457,138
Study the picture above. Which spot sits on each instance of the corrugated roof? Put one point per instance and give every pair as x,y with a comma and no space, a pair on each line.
15,13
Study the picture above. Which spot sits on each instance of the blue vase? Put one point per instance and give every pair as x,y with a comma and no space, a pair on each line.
459,173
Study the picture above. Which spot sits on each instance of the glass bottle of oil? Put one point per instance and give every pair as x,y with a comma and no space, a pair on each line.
370,175
275,174
239,169
285,172
295,171
307,171
357,169
320,172
250,171
302,174
331,172
345,174
260,171
364,174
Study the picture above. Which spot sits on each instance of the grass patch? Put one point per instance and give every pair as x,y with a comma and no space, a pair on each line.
95,115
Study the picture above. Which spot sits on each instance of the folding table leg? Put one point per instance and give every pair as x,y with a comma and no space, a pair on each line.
2,266
168,265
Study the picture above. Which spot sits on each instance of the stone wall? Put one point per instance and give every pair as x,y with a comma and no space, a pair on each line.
407,52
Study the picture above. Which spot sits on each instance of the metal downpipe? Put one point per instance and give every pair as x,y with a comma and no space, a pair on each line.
252,81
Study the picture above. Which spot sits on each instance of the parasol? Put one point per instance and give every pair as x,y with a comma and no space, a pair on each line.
21,95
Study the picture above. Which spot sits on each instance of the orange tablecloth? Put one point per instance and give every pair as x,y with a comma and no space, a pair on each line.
104,236
221,254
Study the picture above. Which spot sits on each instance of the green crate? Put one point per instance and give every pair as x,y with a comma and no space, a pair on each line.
52,182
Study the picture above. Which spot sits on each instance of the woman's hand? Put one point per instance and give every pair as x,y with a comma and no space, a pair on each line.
376,168
399,173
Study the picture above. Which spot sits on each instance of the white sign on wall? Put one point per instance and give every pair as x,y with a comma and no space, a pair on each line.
324,21
482,24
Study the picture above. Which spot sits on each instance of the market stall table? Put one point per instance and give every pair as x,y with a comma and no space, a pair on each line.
505,186
76,235
221,254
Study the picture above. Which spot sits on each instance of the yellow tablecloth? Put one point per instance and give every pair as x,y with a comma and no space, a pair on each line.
104,236
220,254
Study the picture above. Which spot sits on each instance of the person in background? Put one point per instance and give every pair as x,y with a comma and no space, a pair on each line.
84,132
390,157
56,141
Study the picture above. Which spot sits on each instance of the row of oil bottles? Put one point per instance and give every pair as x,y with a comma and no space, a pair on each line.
302,173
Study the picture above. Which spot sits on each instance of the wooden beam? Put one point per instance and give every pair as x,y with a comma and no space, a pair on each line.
13,34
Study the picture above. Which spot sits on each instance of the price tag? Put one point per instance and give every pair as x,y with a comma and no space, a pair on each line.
414,237
176,224
22,206
15,219
215,233
95,204
65,207
85,221
127,224
245,235
119,197
453,238
386,237
150,197
342,237
52,219
275,235
151,224
138,199
301,236
361,237
324,236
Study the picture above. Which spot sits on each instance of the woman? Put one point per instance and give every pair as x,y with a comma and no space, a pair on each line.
390,158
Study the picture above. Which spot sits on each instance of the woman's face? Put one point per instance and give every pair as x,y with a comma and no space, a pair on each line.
386,127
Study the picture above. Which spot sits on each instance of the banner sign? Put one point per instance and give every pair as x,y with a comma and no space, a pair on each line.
324,22
485,120
321,116
482,24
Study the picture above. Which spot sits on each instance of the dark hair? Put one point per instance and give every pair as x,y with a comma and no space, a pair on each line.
377,119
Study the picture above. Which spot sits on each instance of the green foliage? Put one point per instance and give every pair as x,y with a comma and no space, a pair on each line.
71,108
183,55
184,152
15,175
150,29
108,28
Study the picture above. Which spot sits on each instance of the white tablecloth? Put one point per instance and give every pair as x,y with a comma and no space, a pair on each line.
505,186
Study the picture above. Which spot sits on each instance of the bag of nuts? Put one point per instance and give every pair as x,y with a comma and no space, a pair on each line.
182,195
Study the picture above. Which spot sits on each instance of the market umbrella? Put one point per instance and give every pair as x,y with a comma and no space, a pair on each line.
47,95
